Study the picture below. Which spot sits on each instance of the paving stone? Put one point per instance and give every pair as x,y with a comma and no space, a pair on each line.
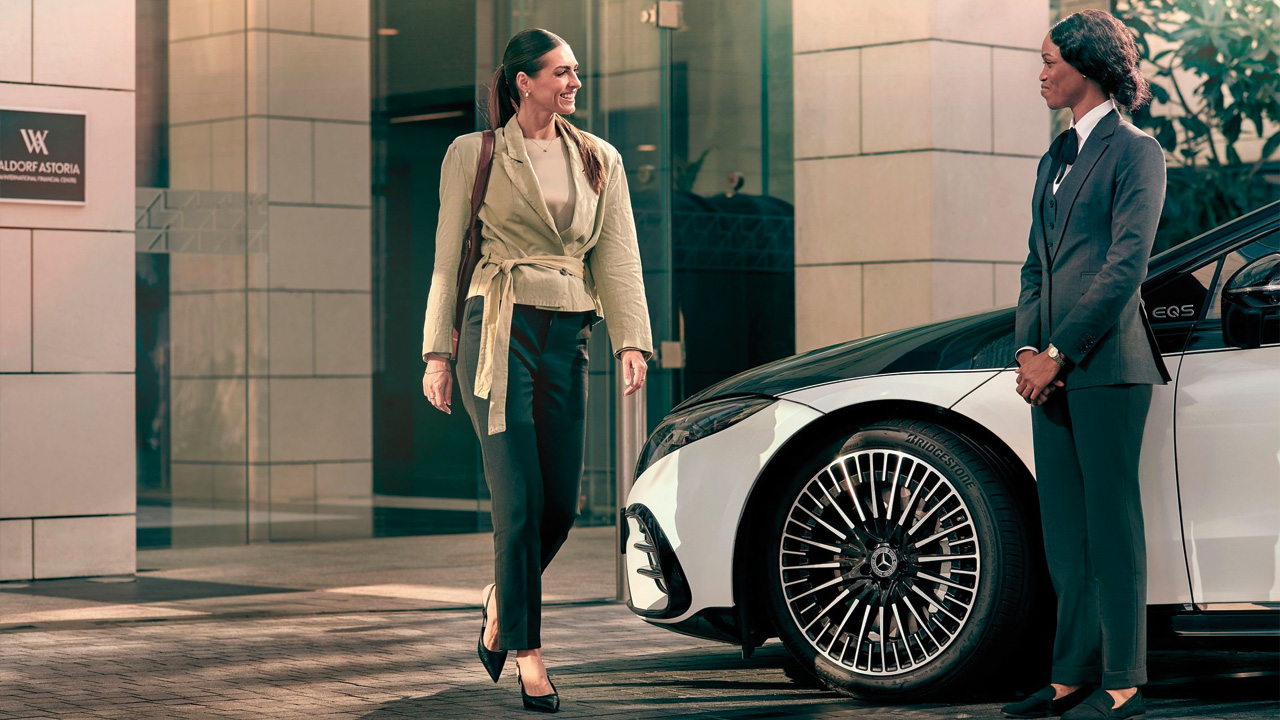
606,664
302,651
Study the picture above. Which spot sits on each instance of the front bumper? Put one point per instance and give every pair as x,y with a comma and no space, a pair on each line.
650,556
682,520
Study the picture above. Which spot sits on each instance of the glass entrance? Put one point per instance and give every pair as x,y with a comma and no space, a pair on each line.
262,414
701,114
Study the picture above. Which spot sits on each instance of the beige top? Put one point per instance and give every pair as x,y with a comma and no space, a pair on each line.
592,264
551,166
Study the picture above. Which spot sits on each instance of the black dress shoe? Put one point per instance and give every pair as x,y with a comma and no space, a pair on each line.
540,703
1041,704
1101,705
493,661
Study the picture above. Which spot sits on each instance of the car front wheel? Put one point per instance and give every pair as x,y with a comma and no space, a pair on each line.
901,564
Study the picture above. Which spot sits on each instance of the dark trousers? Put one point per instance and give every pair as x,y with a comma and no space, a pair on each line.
534,468
1086,445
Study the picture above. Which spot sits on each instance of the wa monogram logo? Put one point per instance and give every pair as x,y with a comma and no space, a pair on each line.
34,140
33,169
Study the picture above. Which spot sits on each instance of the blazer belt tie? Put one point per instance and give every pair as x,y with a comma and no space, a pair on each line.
495,339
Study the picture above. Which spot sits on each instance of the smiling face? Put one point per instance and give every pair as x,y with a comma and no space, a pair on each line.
554,88
1060,84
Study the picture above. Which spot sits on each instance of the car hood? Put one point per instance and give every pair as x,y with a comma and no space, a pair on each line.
972,342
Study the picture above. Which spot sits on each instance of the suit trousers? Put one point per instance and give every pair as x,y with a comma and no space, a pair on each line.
1087,443
533,468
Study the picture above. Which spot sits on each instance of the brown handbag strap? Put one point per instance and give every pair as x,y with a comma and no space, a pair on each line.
482,175
471,243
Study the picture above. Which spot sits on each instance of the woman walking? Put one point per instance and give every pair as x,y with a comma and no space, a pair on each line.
1087,363
558,251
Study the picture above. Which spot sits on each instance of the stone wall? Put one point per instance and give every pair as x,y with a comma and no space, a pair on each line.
67,464
918,128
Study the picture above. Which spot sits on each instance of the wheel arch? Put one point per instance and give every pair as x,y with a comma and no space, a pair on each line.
828,433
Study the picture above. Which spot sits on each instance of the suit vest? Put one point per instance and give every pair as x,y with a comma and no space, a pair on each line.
1049,207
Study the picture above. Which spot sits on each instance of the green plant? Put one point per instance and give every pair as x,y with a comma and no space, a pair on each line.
1217,72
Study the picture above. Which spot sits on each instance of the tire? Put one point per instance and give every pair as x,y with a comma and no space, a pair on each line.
932,588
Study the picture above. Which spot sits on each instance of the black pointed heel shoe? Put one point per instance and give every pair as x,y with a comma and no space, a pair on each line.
493,661
540,703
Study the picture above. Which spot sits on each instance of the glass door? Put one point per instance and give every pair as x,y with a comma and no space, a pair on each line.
201,245
729,104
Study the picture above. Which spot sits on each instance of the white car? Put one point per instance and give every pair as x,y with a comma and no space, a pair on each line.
873,503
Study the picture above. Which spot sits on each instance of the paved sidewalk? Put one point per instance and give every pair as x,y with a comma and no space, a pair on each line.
284,579
280,632
422,664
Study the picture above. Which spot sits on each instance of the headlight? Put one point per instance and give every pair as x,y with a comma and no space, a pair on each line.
676,431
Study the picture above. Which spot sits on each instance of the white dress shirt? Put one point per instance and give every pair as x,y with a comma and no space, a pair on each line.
1083,129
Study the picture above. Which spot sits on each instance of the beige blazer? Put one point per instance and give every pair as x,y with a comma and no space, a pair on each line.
593,265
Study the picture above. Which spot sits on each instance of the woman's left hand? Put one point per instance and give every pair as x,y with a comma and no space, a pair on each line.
634,368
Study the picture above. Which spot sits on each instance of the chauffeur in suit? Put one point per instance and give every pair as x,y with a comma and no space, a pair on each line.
559,251
1087,361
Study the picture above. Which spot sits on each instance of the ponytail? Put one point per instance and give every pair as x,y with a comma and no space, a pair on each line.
502,99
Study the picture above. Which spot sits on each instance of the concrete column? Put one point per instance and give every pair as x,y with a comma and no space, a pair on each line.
67,462
918,128
273,100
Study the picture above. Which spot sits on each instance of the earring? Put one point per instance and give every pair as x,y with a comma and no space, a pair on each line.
526,93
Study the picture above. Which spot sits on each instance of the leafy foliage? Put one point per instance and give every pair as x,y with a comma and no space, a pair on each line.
1218,72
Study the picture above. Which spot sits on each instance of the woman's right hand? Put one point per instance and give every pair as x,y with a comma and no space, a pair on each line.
437,383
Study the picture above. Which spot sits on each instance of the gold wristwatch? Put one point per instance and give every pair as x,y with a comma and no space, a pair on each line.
1056,356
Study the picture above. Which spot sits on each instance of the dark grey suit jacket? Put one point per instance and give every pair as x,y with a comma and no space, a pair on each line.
1081,283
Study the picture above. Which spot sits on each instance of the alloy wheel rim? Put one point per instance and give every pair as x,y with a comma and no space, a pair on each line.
879,562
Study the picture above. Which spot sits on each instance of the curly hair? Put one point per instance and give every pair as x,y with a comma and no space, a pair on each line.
1103,49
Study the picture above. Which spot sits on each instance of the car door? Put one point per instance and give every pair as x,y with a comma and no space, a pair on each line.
1172,305
1227,432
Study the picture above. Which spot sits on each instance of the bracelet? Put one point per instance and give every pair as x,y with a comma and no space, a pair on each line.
433,372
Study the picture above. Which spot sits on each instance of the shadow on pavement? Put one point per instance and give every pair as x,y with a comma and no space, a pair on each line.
142,590
714,683
1258,686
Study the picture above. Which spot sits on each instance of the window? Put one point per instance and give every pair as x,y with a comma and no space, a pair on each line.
1180,301
1173,306
1232,264
1208,332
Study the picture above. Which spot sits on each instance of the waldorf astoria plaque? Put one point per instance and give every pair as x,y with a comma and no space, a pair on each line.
41,156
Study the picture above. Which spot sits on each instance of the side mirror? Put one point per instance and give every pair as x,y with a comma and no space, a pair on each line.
1251,304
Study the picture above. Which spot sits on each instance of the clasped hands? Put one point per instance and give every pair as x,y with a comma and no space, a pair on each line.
1037,376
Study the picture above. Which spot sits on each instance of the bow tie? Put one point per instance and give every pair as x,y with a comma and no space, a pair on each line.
1064,150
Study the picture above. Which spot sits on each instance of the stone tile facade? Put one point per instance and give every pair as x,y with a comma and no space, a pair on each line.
918,128
67,463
